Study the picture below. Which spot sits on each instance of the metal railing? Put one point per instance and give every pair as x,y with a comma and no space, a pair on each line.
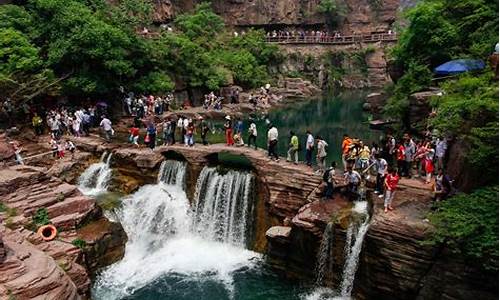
331,40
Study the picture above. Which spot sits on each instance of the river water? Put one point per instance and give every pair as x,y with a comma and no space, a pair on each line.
330,116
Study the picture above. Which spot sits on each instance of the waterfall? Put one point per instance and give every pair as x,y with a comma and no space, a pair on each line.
173,172
354,242
95,179
168,238
324,257
224,206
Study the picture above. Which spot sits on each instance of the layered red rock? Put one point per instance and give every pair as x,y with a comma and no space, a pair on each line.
28,273
396,263
26,189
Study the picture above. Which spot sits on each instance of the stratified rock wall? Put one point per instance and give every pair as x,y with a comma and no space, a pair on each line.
28,273
397,264
363,16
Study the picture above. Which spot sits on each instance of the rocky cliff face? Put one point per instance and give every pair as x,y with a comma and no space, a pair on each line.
363,16
28,273
329,66
23,191
396,264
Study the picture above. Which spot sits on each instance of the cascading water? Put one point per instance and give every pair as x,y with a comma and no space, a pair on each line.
173,172
354,242
324,258
169,241
95,179
224,206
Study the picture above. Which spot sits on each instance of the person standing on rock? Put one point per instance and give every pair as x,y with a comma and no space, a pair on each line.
228,128
252,134
106,126
293,150
381,166
180,125
390,183
309,147
321,155
410,150
346,148
441,147
329,177
272,142
151,135
134,135
167,130
37,124
204,132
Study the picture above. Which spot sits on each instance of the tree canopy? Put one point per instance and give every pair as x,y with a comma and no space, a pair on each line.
91,49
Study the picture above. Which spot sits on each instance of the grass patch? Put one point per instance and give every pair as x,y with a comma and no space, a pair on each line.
79,243
41,217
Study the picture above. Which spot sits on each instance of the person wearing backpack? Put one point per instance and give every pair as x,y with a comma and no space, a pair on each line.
329,179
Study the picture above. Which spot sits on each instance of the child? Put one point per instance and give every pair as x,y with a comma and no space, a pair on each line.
134,135
390,183
53,147
71,148
60,150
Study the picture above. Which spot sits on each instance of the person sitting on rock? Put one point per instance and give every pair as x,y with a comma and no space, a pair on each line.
353,180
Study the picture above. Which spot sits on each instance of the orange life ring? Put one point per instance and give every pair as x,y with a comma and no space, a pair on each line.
47,232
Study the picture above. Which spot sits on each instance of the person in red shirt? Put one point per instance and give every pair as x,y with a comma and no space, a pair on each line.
400,155
391,183
134,135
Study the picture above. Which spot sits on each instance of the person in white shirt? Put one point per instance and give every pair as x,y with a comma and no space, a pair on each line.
381,166
353,180
309,148
441,147
321,155
106,126
252,135
272,142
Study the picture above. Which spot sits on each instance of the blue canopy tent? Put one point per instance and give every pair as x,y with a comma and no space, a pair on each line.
459,66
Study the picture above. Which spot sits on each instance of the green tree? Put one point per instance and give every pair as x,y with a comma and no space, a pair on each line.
468,224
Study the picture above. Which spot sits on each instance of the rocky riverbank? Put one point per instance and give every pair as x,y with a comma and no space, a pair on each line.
29,194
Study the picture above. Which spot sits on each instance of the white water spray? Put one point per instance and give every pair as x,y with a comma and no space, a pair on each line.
164,237
324,257
95,179
354,242
224,206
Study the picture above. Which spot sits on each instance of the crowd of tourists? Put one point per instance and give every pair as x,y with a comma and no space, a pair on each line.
143,106
211,101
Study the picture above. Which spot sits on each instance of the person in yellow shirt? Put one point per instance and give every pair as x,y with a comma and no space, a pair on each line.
293,150
364,157
36,121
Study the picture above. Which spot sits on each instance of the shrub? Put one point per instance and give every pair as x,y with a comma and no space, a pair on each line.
41,217
468,224
79,243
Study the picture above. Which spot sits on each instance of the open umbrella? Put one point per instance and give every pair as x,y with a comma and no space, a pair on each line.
459,66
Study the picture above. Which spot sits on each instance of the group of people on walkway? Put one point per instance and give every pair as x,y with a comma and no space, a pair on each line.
143,106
